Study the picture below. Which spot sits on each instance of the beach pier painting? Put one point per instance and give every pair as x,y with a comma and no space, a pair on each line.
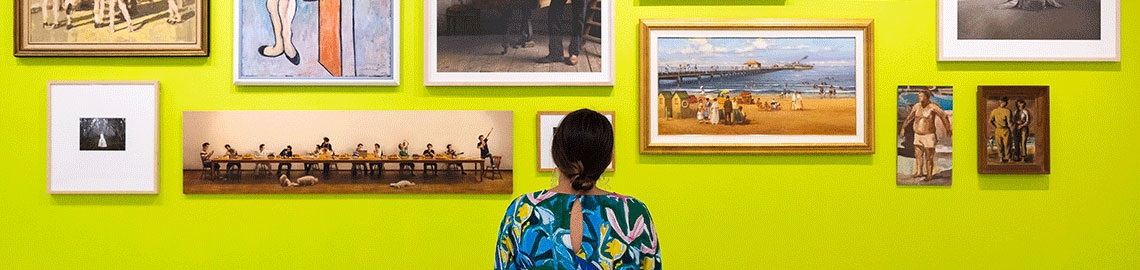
771,91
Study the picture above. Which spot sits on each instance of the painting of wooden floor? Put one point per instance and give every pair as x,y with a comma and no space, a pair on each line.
485,54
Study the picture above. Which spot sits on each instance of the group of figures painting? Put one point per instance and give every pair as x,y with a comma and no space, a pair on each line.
743,86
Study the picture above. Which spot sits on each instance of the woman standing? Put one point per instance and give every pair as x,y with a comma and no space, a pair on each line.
575,225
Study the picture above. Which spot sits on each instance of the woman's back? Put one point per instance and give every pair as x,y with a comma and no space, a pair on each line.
617,233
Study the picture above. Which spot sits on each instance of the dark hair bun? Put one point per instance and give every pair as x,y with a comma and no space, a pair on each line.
583,147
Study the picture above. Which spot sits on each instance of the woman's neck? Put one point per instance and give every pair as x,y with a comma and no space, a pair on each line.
566,186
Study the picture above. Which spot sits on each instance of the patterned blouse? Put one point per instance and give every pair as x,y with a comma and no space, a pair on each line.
618,234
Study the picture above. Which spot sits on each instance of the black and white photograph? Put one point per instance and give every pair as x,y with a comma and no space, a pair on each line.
1029,30
111,158
102,134
1029,19
519,42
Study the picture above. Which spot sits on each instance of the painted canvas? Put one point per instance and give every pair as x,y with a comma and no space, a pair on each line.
332,152
112,28
1014,129
925,142
327,42
758,87
1029,30
564,42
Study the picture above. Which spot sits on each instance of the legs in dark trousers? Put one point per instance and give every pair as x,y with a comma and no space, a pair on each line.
433,166
374,168
577,23
288,167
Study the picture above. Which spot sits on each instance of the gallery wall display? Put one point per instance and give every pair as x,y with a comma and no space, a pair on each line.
112,28
548,122
1013,130
757,86
925,142
1029,30
102,138
331,152
519,42
317,42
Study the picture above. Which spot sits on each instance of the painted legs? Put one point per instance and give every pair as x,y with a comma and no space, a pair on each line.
174,11
122,5
281,16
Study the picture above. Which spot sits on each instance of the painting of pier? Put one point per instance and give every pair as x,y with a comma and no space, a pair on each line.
757,86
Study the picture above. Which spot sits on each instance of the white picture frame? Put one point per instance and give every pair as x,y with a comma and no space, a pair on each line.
603,77
547,122
952,46
123,159
249,52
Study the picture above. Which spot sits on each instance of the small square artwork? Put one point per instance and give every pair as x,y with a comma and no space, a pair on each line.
924,144
1013,130
102,134
91,150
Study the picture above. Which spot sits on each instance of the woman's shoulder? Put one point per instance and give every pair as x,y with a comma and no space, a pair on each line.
628,202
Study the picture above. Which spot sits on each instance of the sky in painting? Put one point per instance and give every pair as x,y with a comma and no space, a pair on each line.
735,51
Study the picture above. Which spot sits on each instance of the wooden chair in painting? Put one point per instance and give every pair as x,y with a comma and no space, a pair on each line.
493,169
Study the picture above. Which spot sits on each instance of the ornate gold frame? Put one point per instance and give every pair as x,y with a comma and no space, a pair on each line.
22,48
864,25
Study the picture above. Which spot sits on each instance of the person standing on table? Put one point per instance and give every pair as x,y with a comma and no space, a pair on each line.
206,156
285,154
554,27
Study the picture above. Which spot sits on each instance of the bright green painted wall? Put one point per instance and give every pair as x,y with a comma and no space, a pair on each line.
713,212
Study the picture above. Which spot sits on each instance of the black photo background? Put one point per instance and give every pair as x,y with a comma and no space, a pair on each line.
102,134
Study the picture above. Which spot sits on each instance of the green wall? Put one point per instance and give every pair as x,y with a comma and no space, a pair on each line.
712,212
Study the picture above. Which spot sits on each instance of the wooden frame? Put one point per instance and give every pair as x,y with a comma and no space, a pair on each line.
864,145
538,139
26,47
326,59
1040,111
951,47
604,77
155,173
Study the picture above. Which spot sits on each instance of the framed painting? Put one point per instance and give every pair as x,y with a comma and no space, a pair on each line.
548,122
530,43
102,138
1029,30
373,152
327,42
112,28
925,142
757,86
1013,130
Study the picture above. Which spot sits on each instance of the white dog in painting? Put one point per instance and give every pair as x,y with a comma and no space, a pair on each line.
307,180
402,184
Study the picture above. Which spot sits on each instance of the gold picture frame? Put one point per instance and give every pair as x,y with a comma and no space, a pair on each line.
860,31
79,28
542,148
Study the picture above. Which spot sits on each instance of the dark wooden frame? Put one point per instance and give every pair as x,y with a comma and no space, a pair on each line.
1040,95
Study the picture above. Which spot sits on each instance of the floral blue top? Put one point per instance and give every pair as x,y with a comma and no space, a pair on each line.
618,233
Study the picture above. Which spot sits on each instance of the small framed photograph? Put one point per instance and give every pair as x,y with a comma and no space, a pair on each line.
547,124
1013,130
1029,30
103,138
751,86
327,42
925,142
112,28
519,43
